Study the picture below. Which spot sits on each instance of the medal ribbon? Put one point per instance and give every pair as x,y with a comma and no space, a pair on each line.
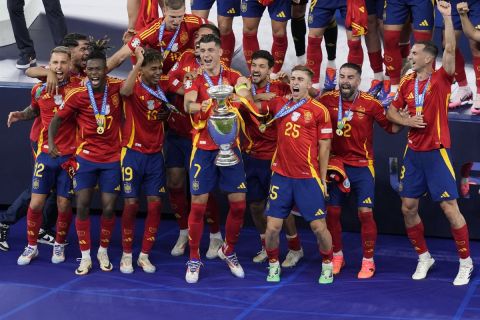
99,116
166,51
419,99
40,89
209,80
160,95
287,109
254,88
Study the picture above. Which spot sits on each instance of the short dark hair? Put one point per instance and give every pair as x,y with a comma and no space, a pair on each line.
175,4
212,27
151,55
305,69
353,66
264,54
71,39
207,38
429,47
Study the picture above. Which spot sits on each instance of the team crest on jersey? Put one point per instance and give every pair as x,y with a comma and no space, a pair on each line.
244,6
36,184
195,185
361,112
115,100
127,187
107,109
150,104
295,116
187,84
183,38
308,116
136,42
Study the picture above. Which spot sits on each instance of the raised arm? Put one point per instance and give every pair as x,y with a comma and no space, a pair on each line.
448,60
118,57
467,26
127,87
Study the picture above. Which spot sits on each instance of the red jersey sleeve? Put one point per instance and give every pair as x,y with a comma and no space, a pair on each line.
34,96
148,36
399,99
70,103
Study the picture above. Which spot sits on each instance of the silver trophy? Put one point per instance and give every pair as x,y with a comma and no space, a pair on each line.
222,126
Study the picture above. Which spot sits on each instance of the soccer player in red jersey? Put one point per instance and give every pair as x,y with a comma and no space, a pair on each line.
258,150
142,159
353,114
303,129
204,174
48,172
178,149
426,163
79,49
97,108
171,35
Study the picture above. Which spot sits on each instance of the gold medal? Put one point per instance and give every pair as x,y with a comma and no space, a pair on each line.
100,130
262,127
339,132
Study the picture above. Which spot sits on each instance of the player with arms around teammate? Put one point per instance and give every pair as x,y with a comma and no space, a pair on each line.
304,130
97,110
48,173
353,114
426,163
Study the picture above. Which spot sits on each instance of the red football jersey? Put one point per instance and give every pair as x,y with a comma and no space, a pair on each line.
180,123
355,146
35,130
47,105
149,37
141,130
257,144
435,110
91,145
298,134
201,137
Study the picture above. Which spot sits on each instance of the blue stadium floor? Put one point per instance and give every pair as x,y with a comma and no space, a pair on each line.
42,290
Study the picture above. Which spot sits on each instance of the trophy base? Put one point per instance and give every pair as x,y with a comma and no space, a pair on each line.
226,158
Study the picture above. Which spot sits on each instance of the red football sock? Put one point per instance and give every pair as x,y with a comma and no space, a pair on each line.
462,241
392,56
63,225
106,230
83,233
404,49
314,57
272,255
178,201
34,221
195,228
460,75
213,214
327,256
355,52
279,50
417,238
250,45
228,47
334,225
233,225
376,61
128,226
294,243
369,233
422,36
476,69
152,222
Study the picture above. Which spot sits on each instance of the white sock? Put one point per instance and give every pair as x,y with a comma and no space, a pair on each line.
217,235
85,254
126,254
331,64
378,76
102,249
184,233
368,259
466,261
424,256
339,253
143,256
